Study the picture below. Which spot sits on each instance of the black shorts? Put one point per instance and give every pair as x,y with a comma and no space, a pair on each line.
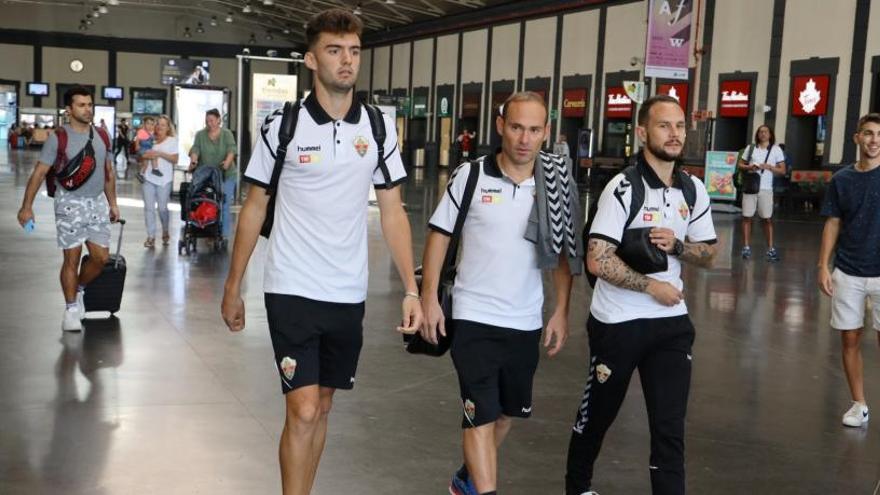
495,369
315,342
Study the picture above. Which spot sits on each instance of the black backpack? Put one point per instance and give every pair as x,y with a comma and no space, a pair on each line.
289,118
634,180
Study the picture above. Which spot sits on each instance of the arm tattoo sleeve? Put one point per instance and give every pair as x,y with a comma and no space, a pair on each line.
612,269
698,253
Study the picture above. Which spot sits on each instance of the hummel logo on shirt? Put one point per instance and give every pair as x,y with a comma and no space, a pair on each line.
308,148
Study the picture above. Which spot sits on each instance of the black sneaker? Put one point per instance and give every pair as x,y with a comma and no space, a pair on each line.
156,172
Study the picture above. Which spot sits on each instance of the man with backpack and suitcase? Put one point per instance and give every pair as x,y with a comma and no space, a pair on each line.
310,174
638,318
76,164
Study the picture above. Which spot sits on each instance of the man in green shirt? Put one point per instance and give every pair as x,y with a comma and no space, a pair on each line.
214,146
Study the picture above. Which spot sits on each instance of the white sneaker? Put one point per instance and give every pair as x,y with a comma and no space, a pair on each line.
856,416
81,304
71,321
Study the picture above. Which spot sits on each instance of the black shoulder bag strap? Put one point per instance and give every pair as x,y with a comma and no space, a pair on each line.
448,270
377,125
289,117
637,195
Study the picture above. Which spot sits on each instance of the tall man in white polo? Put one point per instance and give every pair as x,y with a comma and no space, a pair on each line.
498,293
315,279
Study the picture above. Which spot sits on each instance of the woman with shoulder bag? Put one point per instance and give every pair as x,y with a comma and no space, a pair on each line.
759,164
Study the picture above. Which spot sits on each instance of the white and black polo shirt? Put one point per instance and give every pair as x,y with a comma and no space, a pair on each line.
318,245
498,281
663,207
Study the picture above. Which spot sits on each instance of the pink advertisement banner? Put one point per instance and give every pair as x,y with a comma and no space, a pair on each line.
669,39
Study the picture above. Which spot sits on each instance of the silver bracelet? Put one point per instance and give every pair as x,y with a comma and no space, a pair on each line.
413,295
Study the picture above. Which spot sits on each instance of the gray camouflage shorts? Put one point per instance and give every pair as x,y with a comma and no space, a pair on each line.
79,219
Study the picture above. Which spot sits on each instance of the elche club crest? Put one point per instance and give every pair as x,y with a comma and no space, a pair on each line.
810,97
361,145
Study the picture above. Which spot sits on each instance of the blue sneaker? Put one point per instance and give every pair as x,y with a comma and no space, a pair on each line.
746,252
772,255
459,486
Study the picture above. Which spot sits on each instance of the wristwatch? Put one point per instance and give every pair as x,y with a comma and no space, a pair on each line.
678,248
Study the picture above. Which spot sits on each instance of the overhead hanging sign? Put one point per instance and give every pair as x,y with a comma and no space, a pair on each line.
617,104
635,90
270,91
470,105
809,95
679,91
574,103
667,48
735,98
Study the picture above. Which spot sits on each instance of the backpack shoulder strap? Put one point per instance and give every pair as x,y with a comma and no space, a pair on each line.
688,189
289,118
637,194
61,152
466,198
104,137
377,125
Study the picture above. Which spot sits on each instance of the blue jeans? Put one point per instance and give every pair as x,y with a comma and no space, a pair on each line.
228,198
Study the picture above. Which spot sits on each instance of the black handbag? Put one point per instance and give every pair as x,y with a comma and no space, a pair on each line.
751,181
637,251
414,343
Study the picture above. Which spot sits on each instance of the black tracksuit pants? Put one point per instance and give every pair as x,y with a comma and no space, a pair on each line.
660,348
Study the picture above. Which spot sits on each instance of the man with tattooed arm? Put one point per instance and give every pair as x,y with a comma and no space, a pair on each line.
640,321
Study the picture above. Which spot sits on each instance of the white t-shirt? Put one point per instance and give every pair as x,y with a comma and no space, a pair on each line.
663,207
760,156
169,145
318,245
498,281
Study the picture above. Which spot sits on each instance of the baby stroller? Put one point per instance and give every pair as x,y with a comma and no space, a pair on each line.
200,203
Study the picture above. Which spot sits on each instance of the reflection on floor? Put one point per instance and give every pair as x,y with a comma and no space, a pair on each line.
164,400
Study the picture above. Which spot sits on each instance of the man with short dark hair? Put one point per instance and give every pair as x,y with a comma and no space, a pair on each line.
852,234
214,146
315,280
498,290
637,320
85,200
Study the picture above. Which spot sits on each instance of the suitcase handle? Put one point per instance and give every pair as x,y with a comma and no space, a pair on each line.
121,223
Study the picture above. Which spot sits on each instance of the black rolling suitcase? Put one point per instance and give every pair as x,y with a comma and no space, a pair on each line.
105,292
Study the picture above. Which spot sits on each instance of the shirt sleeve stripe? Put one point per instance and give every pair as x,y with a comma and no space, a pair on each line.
605,238
255,182
700,215
393,184
439,230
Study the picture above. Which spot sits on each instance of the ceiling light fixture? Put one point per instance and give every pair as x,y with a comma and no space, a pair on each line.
187,33
390,2
82,25
268,3
213,20
252,40
200,28
113,3
229,17
286,29
269,36
247,8
103,9
357,10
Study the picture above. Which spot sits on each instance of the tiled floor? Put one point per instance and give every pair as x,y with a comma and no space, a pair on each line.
164,400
